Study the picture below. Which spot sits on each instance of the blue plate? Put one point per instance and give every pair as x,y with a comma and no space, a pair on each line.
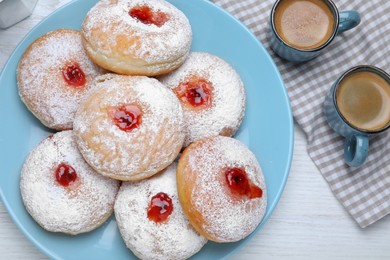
267,128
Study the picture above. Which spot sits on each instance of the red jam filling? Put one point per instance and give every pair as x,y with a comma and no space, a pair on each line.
160,207
239,184
146,15
126,117
73,75
195,92
65,174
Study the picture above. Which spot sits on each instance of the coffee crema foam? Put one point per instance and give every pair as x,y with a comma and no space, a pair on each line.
363,99
304,24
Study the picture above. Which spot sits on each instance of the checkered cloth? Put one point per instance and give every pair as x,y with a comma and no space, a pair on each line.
363,191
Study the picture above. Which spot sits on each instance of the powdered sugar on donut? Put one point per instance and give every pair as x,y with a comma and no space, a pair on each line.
111,32
173,239
144,151
80,207
228,96
225,218
41,84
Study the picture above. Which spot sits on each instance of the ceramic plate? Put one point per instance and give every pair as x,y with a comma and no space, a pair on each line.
267,128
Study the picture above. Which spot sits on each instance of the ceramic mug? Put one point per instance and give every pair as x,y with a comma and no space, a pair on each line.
358,108
292,19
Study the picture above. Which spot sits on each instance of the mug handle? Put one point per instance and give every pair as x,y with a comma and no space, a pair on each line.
355,150
348,20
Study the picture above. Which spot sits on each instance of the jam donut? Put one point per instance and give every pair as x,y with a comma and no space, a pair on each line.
211,93
129,127
221,188
151,221
61,191
53,75
137,37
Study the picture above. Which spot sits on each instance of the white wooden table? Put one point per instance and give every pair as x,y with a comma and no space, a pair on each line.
307,223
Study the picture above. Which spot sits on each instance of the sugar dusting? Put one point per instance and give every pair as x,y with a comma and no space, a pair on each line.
40,80
174,239
74,209
225,217
110,29
228,101
144,151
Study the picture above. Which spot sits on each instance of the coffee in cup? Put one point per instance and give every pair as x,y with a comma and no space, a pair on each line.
363,99
304,24
357,107
301,29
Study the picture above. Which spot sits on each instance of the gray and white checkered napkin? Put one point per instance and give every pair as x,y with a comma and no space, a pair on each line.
364,191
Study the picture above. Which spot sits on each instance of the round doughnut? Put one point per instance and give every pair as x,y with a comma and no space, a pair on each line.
137,37
211,93
129,127
221,188
61,191
151,221
53,75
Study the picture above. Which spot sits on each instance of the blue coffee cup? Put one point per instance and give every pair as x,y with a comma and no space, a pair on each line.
356,144
343,21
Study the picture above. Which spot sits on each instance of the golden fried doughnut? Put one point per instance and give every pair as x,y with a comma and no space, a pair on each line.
53,75
212,95
129,127
151,221
61,191
137,37
221,188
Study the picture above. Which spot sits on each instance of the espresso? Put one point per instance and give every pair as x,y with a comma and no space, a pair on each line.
363,99
304,24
